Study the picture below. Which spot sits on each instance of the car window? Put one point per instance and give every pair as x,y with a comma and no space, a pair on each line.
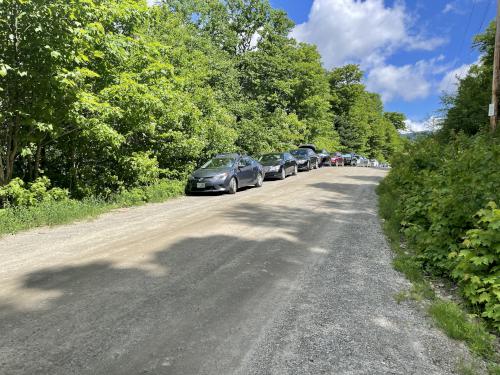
246,162
218,163
300,153
270,157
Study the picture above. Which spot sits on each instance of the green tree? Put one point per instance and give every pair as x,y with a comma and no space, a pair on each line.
467,110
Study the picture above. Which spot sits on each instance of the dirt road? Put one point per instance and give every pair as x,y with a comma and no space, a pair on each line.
291,278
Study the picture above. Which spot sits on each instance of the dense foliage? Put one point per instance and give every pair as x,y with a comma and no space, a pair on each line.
444,190
443,198
101,96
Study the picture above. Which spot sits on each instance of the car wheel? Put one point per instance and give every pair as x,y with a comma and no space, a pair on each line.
260,180
295,170
283,174
233,186
316,165
308,166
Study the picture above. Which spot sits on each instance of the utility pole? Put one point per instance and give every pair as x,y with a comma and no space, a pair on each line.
496,76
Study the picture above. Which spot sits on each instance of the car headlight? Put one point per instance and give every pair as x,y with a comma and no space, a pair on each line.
220,176
275,168
301,161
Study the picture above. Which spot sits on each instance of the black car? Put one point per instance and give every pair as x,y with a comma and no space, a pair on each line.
325,158
226,173
307,159
278,165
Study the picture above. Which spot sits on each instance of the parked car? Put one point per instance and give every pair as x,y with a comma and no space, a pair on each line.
324,158
337,159
226,173
361,161
306,158
374,163
278,165
349,159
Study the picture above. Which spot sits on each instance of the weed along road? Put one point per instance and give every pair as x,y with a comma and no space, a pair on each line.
291,278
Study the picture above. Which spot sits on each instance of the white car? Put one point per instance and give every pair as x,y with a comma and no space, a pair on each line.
363,162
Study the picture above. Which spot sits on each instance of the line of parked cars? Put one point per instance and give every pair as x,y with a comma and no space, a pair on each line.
231,171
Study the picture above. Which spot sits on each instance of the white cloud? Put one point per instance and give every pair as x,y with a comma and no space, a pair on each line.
449,83
364,32
450,7
432,123
409,82
392,81
455,7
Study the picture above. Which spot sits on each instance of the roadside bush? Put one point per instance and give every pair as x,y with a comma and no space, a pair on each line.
478,264
52,211
141,169
432,195
18,194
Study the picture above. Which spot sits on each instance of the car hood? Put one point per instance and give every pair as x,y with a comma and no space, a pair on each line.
210,172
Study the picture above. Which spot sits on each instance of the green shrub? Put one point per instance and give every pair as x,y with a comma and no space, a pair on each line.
140,169
16,194
52,211
478,267
431,197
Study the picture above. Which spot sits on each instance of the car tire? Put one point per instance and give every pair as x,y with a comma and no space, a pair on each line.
260,180
316,165
233,186
295,170
283,174
308,166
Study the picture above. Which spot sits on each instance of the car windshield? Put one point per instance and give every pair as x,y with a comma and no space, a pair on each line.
218,163
346,155
301,153
270,157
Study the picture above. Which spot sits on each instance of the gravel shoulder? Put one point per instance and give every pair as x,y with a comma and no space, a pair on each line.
291,278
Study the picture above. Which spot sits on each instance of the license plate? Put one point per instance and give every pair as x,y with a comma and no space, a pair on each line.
200,185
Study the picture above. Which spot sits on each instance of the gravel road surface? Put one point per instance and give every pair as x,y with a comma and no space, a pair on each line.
291,278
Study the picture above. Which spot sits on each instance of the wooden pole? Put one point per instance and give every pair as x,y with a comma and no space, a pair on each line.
496,74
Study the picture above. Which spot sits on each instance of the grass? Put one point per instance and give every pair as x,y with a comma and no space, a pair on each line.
452,320
447,315
13,220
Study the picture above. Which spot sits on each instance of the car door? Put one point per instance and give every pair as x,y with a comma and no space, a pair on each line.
245,172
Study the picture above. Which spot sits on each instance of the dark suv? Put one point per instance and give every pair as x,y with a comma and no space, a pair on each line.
325,158
226,173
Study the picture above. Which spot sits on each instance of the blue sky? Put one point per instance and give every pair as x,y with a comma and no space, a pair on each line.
411,51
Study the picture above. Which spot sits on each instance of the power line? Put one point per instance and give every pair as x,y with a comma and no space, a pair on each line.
479,29
460,50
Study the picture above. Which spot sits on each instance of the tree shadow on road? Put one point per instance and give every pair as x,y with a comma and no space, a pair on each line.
172,312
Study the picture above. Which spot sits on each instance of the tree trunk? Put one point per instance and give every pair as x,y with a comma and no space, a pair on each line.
38,159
